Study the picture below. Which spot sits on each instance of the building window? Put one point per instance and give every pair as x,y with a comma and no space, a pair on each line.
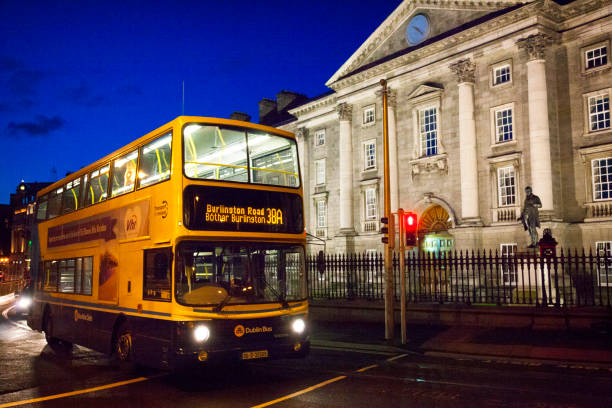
369,155
604,251
370,204
501,75
428,128
509,275
506,186
321,214
369,115
320,137
596,57
320,172
504,125
599,112
602,178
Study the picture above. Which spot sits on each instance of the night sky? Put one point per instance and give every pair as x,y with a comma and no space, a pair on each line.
80,79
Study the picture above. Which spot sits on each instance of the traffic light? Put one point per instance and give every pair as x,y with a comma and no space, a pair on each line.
410,227
388,231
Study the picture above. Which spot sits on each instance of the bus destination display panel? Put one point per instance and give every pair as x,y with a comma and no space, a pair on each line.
231,209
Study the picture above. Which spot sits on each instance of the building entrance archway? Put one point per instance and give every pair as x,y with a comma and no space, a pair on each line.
434,237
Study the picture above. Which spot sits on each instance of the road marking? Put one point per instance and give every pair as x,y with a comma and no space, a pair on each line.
295,394
353,350
397,357
72,393
361,370
21,326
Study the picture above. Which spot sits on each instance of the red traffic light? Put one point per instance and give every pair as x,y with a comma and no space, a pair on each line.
410,228
410,221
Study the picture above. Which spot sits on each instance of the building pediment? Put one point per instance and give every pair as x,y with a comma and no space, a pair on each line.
425,91
391,36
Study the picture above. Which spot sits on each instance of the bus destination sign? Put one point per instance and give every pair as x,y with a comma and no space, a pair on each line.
231,209
249,215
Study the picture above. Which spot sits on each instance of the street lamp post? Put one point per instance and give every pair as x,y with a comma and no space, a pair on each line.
389,289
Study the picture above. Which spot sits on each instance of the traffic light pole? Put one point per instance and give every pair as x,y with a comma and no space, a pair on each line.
389,289
402,247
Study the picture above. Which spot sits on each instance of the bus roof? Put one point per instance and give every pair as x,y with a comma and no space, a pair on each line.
179,121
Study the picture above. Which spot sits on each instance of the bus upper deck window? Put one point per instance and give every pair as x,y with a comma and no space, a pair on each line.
124,173
55,203
155,159
97,186
42,208
215,153
273,160
70,197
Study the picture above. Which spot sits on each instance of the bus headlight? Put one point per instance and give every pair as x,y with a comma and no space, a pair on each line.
298,326
201,333
24,302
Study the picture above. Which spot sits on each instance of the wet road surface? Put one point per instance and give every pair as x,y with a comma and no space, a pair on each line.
32,374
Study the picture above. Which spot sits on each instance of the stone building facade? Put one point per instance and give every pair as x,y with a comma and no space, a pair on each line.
485,98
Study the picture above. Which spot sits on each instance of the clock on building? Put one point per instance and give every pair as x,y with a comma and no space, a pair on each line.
417,30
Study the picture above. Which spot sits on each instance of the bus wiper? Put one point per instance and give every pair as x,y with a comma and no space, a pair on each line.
221,305
283,301
279,296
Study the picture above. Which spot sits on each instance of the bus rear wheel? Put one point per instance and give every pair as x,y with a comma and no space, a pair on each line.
53,342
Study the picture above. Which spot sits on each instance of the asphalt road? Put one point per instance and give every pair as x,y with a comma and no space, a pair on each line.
31,374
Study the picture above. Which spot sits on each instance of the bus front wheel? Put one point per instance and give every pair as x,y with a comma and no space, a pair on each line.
123,348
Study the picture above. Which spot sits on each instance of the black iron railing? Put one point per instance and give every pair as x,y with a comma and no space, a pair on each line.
570,278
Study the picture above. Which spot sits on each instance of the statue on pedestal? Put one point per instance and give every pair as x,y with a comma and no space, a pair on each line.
530,216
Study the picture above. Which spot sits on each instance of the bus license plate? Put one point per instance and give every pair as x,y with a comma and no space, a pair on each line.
249,355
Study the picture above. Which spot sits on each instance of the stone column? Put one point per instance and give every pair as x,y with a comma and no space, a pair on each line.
301,136
468,157
539,133
393,161
346,168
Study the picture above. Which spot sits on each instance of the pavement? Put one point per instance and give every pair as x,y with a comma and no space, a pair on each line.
558,346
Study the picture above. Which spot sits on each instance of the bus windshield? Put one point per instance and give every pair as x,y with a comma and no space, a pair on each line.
240,155
219,275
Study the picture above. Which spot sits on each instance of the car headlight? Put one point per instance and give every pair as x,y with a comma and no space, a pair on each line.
24,302
298,326
201,333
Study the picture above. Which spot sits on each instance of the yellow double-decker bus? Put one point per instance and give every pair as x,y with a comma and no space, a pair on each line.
184,247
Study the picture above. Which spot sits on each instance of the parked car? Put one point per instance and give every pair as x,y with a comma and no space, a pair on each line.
24,300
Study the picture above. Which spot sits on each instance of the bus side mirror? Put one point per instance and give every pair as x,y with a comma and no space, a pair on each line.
321,262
